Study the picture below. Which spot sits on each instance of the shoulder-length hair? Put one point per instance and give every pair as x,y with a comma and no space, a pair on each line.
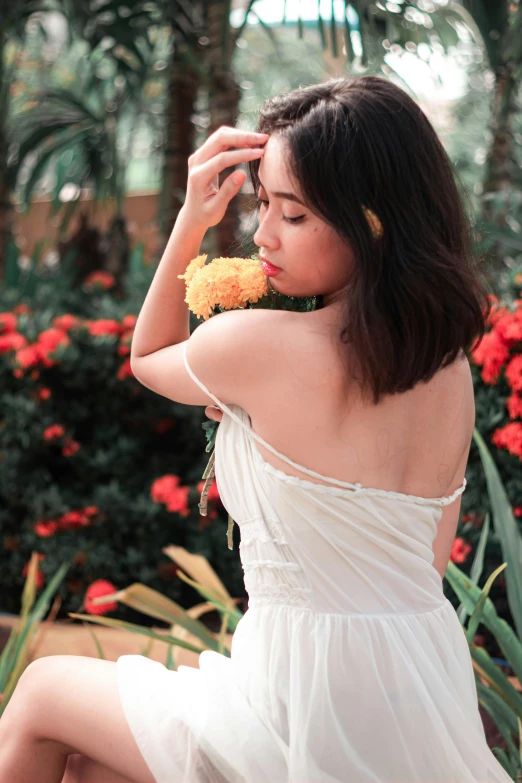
418,298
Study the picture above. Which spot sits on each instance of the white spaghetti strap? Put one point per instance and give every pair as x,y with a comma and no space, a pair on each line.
204,388
251,433
344,484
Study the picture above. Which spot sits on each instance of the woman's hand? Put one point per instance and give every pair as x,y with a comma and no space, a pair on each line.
205,202
213,412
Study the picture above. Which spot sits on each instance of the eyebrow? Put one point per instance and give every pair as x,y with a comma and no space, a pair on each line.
280,194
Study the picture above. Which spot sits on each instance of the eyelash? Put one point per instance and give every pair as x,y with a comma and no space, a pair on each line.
288,220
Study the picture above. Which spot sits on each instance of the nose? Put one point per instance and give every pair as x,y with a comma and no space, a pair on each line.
261,237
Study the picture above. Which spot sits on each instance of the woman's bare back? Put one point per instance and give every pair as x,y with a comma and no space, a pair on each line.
412,442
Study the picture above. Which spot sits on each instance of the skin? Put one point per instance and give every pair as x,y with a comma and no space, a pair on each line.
313,257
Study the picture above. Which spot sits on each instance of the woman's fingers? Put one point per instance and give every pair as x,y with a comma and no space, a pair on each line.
216,414
223,138
222,160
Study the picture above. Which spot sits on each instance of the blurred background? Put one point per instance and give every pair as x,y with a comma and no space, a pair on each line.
101,104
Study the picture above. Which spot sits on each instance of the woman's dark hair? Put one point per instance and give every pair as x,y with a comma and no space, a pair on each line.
418,298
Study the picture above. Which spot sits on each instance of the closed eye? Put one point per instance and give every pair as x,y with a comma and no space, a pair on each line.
288,220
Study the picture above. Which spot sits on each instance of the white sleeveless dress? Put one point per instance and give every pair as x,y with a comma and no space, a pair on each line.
349,665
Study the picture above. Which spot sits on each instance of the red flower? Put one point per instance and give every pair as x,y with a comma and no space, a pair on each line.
167,490
12,341
70,447
39,576
21,309
460,550
514,406
492,353
53,432
103,327
129,321
509,437
8,322
48,341
99,278
514,373
65,322
163,425
43,394
46,529
73,519
28,356
95,590
125,371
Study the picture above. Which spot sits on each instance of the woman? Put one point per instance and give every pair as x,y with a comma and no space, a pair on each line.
341,455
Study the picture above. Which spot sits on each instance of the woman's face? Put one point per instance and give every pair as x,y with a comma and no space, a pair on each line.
313,258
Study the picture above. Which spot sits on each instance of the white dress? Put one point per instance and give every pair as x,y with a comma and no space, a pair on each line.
349,665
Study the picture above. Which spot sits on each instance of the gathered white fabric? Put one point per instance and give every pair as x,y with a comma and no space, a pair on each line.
349,665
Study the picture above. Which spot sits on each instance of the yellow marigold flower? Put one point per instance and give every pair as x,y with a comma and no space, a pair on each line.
192,268
229,283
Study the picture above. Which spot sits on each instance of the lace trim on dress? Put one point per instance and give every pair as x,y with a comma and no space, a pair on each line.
286,595
360,490
262,529
271,564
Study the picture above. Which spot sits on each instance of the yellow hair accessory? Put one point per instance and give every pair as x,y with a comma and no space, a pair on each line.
375,223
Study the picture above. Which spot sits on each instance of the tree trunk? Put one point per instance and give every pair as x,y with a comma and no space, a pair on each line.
116,248
5,195
501,166
180,139
224,98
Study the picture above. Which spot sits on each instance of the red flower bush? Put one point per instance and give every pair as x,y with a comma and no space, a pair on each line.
68,521
498,353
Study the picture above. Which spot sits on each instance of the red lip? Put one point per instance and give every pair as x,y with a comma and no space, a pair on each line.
268,263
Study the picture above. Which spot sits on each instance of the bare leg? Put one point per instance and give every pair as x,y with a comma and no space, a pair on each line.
64,722
24,759
81,769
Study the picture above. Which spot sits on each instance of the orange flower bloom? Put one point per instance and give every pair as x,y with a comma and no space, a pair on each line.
229,283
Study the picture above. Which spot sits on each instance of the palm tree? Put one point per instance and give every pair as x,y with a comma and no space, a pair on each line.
85,123
13,21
